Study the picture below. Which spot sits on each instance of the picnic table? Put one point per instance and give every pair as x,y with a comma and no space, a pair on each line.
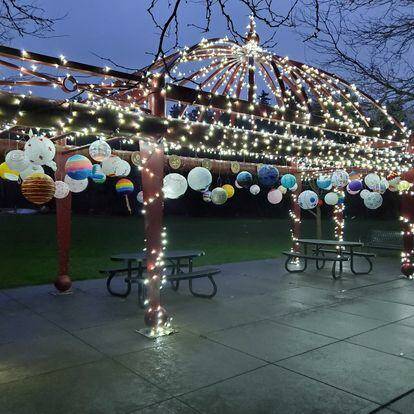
336,251
179,262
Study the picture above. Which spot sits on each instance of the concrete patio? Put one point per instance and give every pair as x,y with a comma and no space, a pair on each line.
269,342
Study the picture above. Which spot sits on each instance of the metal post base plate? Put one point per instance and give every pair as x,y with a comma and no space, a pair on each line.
154,334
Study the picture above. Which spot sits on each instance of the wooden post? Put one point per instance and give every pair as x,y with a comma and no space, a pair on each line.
63,282
407,220
152,156
296,214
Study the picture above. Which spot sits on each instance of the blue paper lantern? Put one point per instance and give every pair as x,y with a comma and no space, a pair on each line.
323,182
268,175
244,179
288,181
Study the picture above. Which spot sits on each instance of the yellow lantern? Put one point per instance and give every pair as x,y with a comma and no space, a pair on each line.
229,189
8,174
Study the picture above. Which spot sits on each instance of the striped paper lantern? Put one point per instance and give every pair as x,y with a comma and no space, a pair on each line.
38,188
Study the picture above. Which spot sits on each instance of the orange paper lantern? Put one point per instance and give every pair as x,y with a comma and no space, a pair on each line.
38,188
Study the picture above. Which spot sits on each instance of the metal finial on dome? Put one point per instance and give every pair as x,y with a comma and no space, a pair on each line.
251,35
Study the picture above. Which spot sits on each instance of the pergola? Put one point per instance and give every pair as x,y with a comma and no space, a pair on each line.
317,122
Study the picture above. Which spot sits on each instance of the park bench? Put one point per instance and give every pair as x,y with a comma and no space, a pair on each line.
384,240
335,259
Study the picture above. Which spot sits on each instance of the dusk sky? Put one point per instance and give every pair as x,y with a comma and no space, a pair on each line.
123,31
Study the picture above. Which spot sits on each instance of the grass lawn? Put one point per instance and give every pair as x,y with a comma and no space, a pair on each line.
28,243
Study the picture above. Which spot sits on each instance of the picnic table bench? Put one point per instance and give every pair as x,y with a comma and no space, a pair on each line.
324,251
179,262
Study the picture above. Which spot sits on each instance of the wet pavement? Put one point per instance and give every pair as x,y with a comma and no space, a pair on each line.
269,342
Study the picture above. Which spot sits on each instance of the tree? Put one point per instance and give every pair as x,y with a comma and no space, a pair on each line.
263,98
23,17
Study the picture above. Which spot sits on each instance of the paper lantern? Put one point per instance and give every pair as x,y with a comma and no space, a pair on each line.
61,189
308,199
40,150
199,178
110,164
99,150
354,175
244,179
31,169
323,182
17,160
174,186
97,174
76,186
218,196
140,197
350,191
331,198
288,181
382,186
124,186
207,196
8,174
373,201
404,185
364,193
39,188
340,178
355,186
229,189
274,196
268,175
254,189
282,189
122,168
78,167
294,188
371,180
237,185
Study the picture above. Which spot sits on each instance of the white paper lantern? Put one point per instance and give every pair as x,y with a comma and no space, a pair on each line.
282,189
207,196
331,198
76,186
109,165
340,178
61,189
199,178
99,150
140,197
308,199
372,180
274,196
373,201
122,169
294,188
237,185
33,168
16,160
254,189
382,186
174,185
218,195
364,193
40,150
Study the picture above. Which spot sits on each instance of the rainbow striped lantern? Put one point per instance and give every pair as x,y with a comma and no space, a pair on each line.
125,187
78,167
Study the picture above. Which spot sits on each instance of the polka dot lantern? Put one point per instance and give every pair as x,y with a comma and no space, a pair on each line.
308,200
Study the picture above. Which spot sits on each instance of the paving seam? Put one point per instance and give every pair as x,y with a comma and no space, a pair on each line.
399,397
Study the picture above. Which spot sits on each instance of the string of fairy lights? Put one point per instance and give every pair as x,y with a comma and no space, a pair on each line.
317,122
